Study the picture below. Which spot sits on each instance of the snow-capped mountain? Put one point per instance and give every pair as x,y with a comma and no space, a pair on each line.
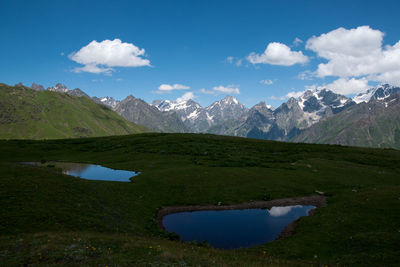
229,117
138,111
288,119
375,122
184,109
320,103
199,119
380,92
226,109
58,88
107,101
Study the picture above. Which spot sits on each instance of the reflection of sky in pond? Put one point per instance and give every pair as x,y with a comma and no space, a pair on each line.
280,211
231,229
97,172
92,172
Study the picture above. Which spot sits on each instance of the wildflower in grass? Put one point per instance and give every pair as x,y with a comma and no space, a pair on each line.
150,246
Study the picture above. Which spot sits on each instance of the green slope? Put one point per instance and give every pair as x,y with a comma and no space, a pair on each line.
49,219
30,114
373,124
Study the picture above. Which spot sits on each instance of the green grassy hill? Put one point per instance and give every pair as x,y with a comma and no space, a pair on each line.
373,124
30,114
47,218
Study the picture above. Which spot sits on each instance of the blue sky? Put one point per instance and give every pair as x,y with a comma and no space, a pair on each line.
201,48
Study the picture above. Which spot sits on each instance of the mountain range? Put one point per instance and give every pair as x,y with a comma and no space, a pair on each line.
374,122
317,116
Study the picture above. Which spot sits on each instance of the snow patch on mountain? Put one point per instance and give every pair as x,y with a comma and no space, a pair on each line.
379,93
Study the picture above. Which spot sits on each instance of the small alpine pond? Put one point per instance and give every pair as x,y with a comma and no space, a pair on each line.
89,171
231,229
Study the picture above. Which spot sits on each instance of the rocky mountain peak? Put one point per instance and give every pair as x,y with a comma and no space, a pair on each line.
381,93
107,101
59,88
77,92
229,100
37,87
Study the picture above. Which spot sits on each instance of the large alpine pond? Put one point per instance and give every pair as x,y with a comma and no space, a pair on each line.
90,171
230,229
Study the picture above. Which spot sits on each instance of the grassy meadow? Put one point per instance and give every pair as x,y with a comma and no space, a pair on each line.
48,218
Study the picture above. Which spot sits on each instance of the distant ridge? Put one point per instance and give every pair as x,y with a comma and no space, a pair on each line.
375,123
317,116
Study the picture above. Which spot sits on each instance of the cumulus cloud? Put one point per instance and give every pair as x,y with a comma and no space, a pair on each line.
185,97
266,82
346,86
229,60
102,57
166,88
278,54
230,89
293,94
311,87
217,90
355,53
208,92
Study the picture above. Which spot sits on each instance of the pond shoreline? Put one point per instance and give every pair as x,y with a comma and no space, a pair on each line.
314,200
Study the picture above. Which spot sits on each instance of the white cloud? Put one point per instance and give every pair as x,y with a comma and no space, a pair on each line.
166,88
311,87
292,94
356,52
267,82
230,89
306,75
278,54
186,96
297,41
238,63
272,97
101,57
208,92
346,86
92,68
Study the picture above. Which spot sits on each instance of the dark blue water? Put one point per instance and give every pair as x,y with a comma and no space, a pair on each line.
90,171
98,172
230,229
